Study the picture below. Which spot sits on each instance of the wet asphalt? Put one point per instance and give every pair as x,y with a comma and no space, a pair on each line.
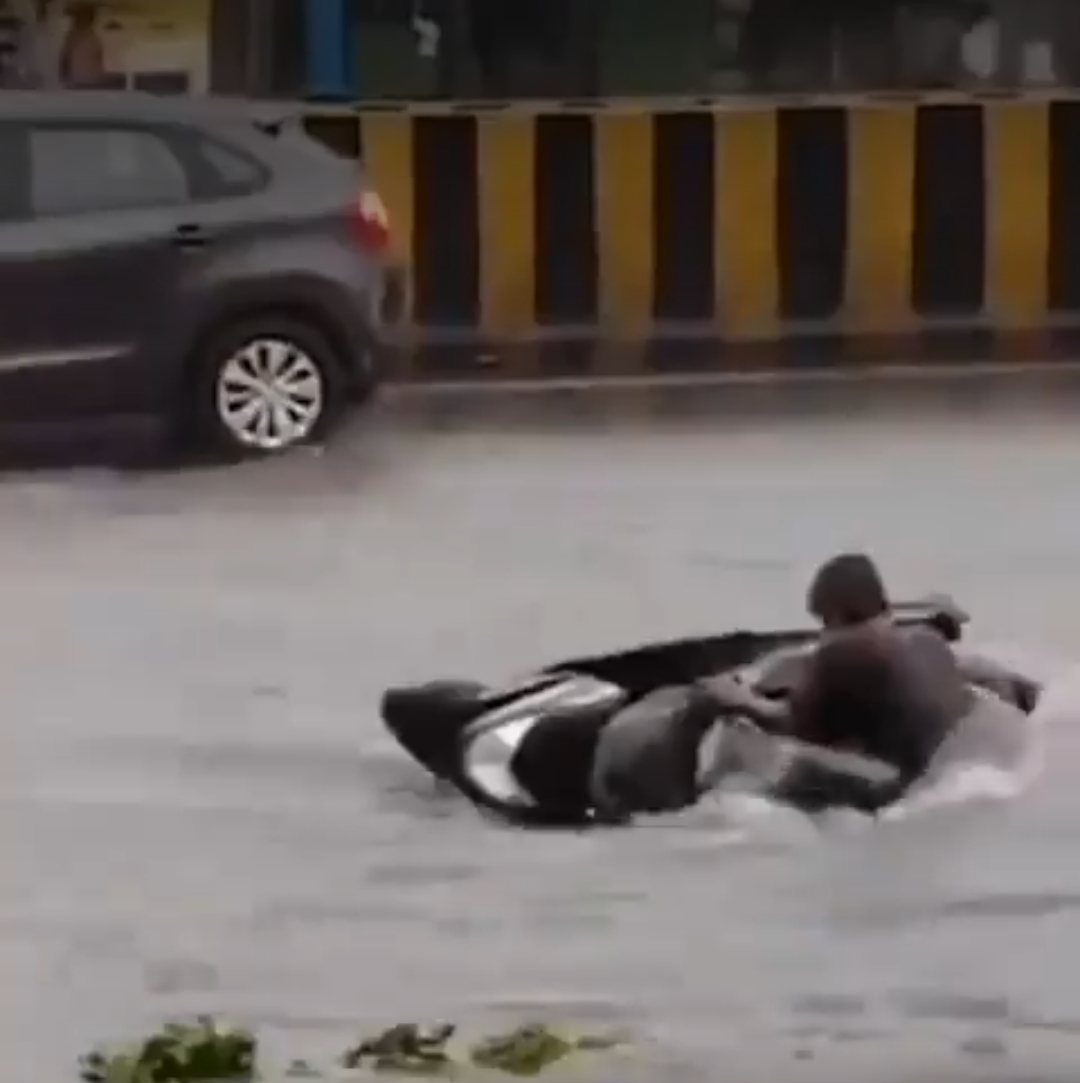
201,812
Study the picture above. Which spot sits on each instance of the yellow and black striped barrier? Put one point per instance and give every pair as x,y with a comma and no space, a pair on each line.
653,238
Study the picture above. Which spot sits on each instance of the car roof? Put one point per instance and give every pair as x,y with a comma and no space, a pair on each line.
134,105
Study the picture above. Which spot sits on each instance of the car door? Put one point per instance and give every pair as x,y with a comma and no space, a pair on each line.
16,317
94,267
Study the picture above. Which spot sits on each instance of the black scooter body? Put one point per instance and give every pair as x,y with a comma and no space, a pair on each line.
432,721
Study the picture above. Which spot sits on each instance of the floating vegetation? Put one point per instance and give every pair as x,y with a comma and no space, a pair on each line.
528,1050
178,1053
208,1052
406,1049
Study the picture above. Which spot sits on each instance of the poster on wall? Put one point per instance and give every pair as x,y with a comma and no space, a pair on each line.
22,40
154,45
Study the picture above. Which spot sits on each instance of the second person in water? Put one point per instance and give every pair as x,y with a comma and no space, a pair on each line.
899,696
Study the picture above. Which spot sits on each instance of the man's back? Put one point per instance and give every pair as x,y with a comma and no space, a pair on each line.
887,692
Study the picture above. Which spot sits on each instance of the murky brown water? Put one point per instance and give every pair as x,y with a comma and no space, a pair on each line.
200,811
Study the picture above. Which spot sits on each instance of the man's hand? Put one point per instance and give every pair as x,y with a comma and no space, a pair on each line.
942,613
731,696
728,692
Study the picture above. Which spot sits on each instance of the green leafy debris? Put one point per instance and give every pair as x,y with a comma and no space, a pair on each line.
529,1049
198,1052
208,1052
405,1048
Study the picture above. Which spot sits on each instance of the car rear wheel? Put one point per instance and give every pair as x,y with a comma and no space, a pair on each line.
265,387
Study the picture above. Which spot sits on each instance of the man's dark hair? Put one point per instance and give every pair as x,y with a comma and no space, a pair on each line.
847,590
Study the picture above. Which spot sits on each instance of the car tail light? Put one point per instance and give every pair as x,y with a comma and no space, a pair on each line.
371,223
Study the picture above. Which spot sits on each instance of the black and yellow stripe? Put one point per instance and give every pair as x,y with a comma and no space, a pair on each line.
631,239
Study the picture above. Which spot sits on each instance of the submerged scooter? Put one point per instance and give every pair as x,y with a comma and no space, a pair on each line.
474,736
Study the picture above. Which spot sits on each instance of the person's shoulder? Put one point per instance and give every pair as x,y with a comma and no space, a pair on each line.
839,650
877,644
843,641
925,636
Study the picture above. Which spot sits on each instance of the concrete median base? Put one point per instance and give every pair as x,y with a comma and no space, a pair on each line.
583,355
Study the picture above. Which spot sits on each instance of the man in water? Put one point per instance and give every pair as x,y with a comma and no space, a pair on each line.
580,764
898,696
647,758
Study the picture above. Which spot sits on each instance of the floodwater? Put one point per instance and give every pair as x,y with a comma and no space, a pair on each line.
201,812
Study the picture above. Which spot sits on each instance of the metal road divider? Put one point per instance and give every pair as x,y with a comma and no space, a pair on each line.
741,235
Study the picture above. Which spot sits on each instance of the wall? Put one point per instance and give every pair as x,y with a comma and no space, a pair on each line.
156,44
736,235
164,42
615,48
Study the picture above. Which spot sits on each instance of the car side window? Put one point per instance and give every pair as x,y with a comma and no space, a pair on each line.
225,171
83,169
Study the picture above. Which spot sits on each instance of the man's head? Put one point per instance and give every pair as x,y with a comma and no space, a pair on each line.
847,590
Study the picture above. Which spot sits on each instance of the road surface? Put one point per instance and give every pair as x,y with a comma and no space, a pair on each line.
200,811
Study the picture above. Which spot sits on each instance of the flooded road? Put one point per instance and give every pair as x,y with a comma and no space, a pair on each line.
201,812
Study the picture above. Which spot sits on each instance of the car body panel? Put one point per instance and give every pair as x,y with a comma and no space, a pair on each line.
103,310
68,347
242,270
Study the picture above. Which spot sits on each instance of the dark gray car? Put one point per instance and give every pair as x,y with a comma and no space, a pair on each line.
197,259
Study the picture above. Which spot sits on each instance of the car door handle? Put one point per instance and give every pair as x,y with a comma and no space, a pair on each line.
191,235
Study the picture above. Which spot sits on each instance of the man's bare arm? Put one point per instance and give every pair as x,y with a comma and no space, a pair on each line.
731,696
990,674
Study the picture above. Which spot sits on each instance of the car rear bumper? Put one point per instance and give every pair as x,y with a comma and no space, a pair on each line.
373,328
393,304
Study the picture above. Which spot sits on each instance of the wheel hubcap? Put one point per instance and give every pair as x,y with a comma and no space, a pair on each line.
270,394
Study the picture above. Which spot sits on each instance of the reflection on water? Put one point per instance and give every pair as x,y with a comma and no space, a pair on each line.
201,813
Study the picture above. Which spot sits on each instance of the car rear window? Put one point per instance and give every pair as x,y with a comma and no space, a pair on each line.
224,170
